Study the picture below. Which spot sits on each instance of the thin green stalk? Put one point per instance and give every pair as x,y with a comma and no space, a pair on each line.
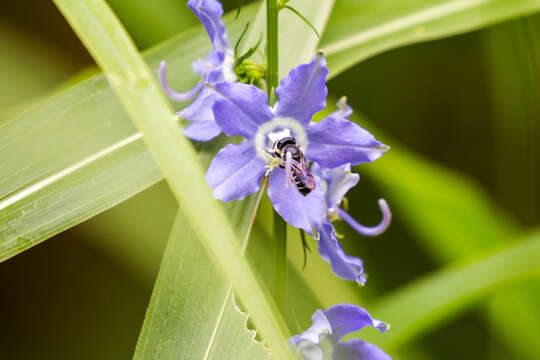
271,48
129,76
281,274
280,227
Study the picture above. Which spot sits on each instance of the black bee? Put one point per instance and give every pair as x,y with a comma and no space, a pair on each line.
302,177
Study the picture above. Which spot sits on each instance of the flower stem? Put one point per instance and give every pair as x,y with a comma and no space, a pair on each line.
271,48
281,271
280,227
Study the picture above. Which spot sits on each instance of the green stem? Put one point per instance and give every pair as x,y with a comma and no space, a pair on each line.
271,48
280,227
280,284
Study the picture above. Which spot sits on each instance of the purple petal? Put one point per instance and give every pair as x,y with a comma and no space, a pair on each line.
344,110
347,318
304,212
338,183
320,326
241,108
345,266
203,126
176,96
212,61
235,172
202,130
357,349
303,92
321,340
369,230
209,13
201,108
336,141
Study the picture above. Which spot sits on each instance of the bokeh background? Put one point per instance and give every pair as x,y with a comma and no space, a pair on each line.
469,103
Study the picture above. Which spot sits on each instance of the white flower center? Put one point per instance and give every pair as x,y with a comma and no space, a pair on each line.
228,66
276,129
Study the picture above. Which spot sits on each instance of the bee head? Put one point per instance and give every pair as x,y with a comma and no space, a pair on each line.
280,144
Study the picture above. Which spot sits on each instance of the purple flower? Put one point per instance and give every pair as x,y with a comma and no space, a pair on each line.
336,183
243,109
322,340
217,67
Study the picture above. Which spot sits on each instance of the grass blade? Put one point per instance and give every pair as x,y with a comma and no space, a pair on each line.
191,311
421,305
76,154
358,30
143,99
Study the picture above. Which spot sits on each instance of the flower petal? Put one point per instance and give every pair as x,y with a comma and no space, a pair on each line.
345,266
338,182
307,350
347,318
303,92
202,130
203,126
235,172
212,62
336,141
344,110
176,96
369,230
304,212
320,326
201,108
209,13
240,108
358,349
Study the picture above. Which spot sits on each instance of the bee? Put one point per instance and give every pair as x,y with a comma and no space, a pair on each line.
302,177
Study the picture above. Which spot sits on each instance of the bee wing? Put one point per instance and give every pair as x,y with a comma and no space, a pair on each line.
301,169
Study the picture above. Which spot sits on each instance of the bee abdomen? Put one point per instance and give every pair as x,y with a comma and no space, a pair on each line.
300,186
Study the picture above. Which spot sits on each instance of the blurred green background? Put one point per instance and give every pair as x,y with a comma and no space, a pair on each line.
469,103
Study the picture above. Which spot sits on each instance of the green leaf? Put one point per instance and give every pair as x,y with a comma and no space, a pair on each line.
513,67
361,29
141,95
76,154
419,306
191,312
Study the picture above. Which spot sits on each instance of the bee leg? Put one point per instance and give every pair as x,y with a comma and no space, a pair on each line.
274,164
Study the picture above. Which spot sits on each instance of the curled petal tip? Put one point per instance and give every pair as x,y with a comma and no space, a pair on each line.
162,73
370,230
